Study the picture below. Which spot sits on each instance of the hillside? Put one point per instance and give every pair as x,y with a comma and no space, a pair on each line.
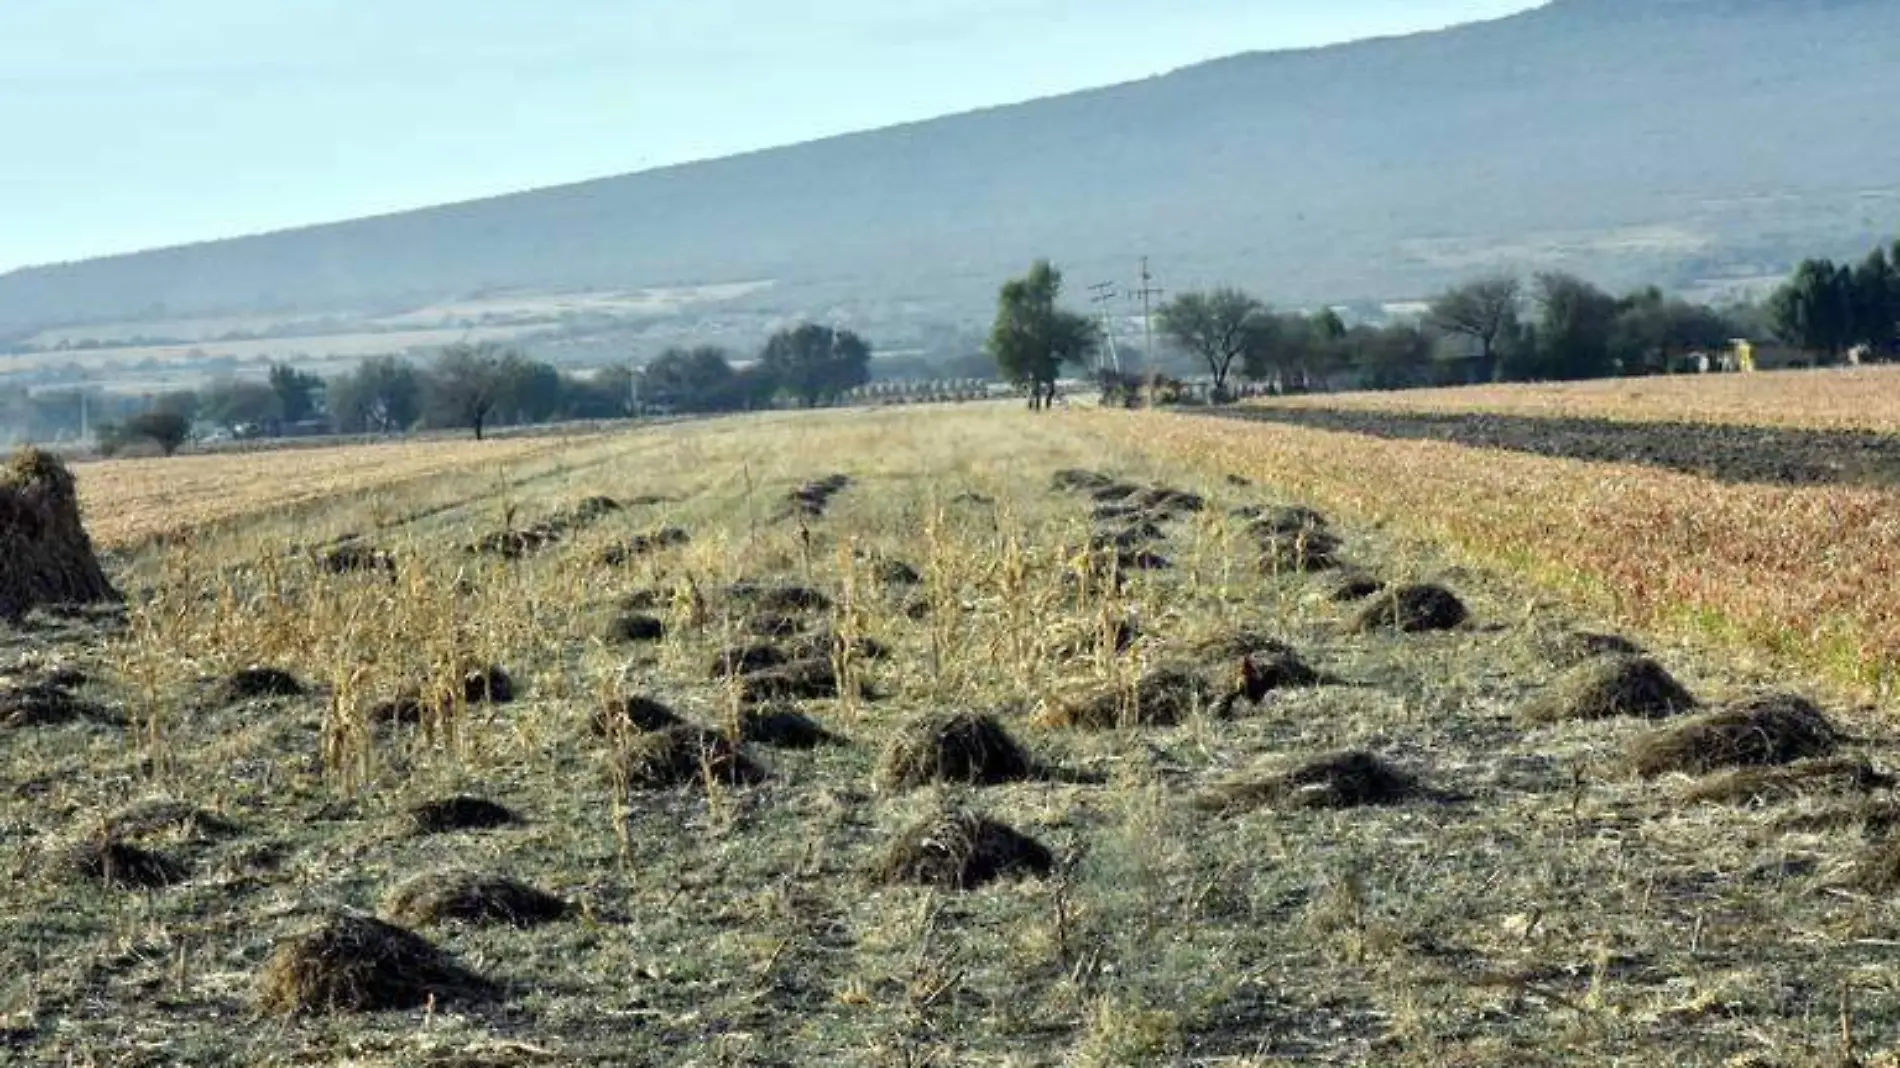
1678,141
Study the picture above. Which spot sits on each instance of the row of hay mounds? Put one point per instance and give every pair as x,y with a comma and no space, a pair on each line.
644,545
1292,539
49,558
775,726
812,499
512,544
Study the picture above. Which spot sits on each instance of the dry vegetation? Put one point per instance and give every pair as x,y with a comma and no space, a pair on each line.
1340,844
1864,398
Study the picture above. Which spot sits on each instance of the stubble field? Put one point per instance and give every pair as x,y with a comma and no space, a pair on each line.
1234,815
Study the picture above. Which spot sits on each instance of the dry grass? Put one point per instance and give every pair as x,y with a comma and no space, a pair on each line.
1865,398
1559,912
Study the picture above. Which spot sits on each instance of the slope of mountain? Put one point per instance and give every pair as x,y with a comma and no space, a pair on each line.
1632,140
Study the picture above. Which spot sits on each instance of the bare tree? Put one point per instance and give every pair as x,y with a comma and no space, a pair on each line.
1218,326
1484,311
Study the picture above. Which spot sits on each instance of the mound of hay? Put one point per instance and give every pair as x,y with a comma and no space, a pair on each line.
595,508
635,715
1281,521
1240,481
491,685
1113,491
1877,869
1767,785
461,813
357,964
812,498
893,572
811,679
355,558
641,545
1075,478
121,865
1355,588
1413,610
1345,780
1769,730
1134,536
746,659
962,851
1118,634
43,704
959,748
784,600
827,643
258,682
1570,648
784,728
515,544
774,625
646,600
1267,670
1608,687
630,628
157,816
471,897
1163,500
1312,550
1243,642
683,755
49,558
1162,698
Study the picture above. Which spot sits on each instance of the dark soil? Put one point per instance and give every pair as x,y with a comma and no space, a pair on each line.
1787,456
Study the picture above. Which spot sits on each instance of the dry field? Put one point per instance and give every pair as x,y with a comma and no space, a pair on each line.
1189,872
1864,398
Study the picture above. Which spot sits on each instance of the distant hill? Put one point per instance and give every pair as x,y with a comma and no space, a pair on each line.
1676,141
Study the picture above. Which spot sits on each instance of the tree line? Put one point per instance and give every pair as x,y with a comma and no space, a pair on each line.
480,386
1497,328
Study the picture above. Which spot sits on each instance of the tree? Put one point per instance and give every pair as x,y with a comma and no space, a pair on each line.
167,430
1574,327
814,363
1218,327
526,391
296,392
465,384
1484,311
1814,311
182,402
1032,338
242,407
382,396
1652,332
1394,357
1875,302
690,380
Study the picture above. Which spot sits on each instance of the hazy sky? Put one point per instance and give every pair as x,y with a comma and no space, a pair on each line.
128,124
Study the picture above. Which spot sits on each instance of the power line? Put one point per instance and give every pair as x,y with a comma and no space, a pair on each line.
1104,296
1147,293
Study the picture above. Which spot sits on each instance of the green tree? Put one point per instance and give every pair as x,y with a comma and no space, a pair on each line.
1032,338
167,430
242,406
527,391
1575,323
815,363
1484,311
465,384
1218,327
1875,302
382,396
182,402
690,380
1653,334
1393,357
297,392
1814,310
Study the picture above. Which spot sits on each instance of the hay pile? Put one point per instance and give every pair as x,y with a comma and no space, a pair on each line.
166,816
629,628
1162,698
460,813
635,715
784,728
1345,780
1763,731
47,704
471,897
1570,648
120,865
1267,670
811,679
357,964
959,748
255,683
1413,610
1356,587
1767,785
962,851
1608,687
683,755
49,558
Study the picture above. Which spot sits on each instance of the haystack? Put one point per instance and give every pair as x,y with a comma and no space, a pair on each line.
121,865
357,964
1832,776
1413,610
460,896
1608,687
49,558
1162,698
634,715
959,748
1764,731
1345,780
460,813
634,627
962,851
683,755
254,683
784,728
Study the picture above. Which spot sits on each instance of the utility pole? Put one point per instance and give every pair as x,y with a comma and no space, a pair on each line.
1104,295
1147,293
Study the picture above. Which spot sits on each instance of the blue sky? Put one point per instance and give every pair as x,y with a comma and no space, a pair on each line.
128,124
